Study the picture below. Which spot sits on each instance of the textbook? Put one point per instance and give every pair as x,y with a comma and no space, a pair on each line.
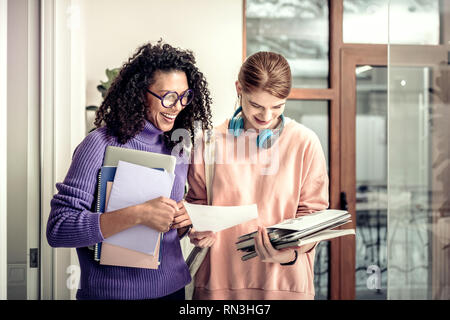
133,185
105,178
321,236
143,158
112,157
299,231
118,256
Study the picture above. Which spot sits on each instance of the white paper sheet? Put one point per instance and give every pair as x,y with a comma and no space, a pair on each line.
310,220
134,184
217,218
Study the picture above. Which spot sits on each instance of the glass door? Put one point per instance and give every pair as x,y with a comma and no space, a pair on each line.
364,170
419,152
371,181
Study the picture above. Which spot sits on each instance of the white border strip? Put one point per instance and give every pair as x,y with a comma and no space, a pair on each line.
47,142
33,149
3,131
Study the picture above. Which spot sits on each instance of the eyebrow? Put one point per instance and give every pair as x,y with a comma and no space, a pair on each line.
256,104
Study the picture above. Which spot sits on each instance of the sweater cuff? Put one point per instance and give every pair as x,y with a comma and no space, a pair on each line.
95,233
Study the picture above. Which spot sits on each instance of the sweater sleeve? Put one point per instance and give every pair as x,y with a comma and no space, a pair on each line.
196,178
314,179
71,222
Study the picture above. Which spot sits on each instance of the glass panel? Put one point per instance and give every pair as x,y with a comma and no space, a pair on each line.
371,182
367,21
404,17
314,115
299,30
419,169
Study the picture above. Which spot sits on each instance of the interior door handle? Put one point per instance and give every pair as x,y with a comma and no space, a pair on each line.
344,204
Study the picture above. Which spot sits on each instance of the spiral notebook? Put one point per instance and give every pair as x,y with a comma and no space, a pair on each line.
112,157
133,185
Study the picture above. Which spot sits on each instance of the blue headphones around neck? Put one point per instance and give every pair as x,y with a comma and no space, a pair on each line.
266,138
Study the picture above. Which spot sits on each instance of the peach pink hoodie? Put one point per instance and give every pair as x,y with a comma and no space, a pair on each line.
294,182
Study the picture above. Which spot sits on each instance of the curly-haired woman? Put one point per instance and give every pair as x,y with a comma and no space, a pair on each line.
157,91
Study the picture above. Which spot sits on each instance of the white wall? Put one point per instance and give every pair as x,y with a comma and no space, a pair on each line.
212,29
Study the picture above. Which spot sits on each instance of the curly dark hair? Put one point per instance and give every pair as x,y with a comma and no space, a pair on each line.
124,108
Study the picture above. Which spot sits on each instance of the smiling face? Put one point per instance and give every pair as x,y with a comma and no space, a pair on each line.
260,109
161,117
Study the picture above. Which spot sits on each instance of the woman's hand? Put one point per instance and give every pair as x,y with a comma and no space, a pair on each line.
182,221
202,239
158,213
267,253
181,218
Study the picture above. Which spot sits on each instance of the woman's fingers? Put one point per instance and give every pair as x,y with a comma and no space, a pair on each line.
202,238
170,202
202,234
259,245
267,244
206,242
180,218
180,205
181,224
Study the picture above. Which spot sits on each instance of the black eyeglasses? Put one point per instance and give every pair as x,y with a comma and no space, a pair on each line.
170,98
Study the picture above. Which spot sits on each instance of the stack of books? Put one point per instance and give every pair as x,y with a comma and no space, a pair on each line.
314,227
129,177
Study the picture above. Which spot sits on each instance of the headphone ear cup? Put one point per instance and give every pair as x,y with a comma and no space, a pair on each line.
231,125
264,138
236,123
238,126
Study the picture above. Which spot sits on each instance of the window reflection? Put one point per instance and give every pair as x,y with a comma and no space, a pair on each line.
366,21
312,114
419,184
296,29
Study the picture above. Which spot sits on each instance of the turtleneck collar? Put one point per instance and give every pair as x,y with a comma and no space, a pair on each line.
150,134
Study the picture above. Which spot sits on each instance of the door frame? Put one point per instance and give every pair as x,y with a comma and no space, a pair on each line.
62,129
343,276
3,156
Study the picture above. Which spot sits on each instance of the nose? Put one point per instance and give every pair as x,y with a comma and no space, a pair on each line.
266,115
178,107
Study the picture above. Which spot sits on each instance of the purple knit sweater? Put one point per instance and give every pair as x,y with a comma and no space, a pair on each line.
73,223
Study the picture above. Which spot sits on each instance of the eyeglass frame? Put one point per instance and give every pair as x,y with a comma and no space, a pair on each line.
179,97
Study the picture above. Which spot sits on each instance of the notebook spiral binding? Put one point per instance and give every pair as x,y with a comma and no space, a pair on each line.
96,258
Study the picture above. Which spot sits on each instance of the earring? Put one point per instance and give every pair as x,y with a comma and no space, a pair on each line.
238,102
